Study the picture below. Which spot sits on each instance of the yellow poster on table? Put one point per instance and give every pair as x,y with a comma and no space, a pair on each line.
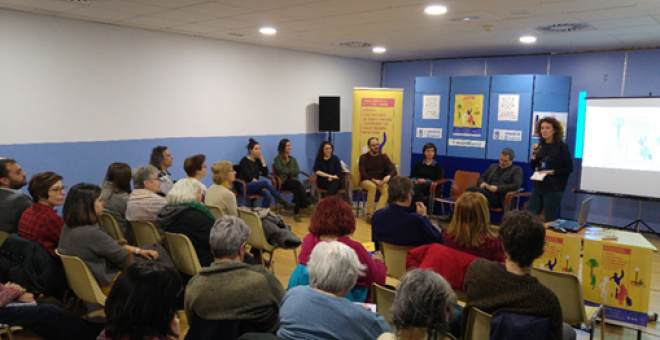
468,115
376,113
619,277
561,254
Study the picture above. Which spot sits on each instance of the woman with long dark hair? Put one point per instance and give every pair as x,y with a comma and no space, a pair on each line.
328,169
287,168
142,305
115,191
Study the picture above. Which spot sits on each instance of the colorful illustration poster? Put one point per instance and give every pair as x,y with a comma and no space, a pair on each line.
376,113
468,115
562,117
508,107
619,277
561,254
431,107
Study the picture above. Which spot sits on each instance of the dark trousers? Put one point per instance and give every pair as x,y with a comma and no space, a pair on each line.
421,190
50,322
494,199
545,201
332,187
299,193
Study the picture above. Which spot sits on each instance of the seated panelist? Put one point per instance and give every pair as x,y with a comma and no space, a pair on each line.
499,179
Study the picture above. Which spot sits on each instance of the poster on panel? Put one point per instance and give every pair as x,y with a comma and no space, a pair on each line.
619,277
431,107
562,117
376,113
468,115
508,107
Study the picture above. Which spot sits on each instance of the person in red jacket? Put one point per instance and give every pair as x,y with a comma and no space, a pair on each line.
333,220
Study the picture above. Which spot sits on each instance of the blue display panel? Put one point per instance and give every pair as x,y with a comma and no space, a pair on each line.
433,92
551,94
468,124
510,115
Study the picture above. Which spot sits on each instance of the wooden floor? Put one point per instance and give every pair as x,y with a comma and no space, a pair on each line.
285,264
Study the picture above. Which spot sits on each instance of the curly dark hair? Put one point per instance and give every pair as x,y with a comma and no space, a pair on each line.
156,158
321,154
332,216
523,236
559,129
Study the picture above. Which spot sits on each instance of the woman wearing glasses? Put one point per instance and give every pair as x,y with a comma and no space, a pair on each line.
40,222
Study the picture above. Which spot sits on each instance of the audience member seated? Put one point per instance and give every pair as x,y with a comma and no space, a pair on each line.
469,230
142,305
376,170
333,220
12,201
230,294
115,191
184,214
397,225
320,310
49,321
161,159
195,167
328,169
425,172
499,179
219,194
82,237
144,202
287,168
253,165
423,307
40,221
493,287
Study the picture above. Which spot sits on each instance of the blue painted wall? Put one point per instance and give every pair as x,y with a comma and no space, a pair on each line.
598,74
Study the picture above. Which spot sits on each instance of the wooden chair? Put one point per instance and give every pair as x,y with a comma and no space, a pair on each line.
278,186
215,210
240,188
81,280
568,289
257,239
182,252
345,188
3,236
145,233
110,225
462,180
478,325
395,258
9,331
383,298
435,190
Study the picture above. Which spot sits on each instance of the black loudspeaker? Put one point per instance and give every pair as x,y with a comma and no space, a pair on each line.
329,113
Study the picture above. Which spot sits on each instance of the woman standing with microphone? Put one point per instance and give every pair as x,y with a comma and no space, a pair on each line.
552,158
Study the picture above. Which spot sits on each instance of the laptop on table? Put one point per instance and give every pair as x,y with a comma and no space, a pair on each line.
573,226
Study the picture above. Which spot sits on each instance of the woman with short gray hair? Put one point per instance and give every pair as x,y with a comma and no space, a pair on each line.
333,270
144,202
423,304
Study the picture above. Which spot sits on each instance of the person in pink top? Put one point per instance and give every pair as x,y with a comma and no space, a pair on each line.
333,220
469,230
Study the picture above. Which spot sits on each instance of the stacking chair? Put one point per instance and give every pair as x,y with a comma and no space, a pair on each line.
240,188
109,224
81,280
182,252
568,289
345,188
462,180
395,258
258,239
145,233
478,325
215,210
278,186
383,298
3,236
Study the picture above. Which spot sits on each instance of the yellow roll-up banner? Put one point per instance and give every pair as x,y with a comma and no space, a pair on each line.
376,113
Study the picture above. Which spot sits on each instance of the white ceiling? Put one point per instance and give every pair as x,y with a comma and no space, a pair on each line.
401,26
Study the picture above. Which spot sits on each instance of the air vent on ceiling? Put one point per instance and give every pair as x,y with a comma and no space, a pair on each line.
82,1
236,34
355,44
565,28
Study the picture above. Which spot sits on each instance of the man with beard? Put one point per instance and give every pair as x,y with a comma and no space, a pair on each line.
12,201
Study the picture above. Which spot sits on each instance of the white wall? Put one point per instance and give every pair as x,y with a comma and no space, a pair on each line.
64,80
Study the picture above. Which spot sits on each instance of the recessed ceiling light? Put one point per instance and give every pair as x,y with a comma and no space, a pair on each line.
465,19
435,10
267,30
528,39
379,49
